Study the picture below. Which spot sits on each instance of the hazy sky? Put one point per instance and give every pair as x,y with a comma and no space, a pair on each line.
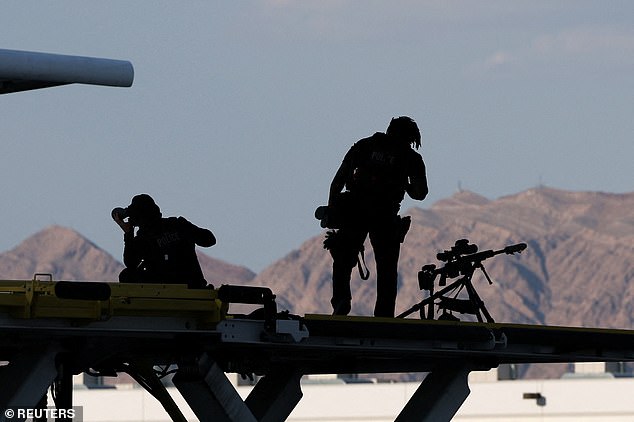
241,111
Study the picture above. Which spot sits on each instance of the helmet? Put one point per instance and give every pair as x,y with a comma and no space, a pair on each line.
405,128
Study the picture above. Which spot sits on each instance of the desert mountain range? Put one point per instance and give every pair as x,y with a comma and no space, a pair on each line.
576,271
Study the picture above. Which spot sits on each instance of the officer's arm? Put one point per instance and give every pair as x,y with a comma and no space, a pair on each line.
131,252
417,187
202,237
339,181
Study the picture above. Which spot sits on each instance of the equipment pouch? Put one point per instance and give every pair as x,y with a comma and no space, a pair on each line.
332,242
334,215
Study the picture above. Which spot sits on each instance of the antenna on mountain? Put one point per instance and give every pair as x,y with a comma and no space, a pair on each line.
459,186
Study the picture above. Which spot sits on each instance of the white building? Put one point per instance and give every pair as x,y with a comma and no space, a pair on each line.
590,394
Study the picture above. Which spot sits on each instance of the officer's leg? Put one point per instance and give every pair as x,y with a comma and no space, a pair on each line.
386,245
128,275
344,258
133,275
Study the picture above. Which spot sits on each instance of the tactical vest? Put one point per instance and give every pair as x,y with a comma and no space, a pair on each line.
379,170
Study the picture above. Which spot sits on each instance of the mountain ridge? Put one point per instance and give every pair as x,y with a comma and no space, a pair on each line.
66,254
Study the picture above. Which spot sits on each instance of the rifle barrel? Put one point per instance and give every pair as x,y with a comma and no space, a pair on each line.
515,248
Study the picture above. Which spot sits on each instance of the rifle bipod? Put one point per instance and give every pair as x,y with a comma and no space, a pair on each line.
461,260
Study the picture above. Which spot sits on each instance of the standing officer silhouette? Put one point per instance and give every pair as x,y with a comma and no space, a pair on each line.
376,172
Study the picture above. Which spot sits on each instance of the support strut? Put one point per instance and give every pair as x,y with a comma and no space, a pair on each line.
27,378
439,396
213,398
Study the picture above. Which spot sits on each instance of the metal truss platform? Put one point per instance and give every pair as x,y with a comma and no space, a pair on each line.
48,333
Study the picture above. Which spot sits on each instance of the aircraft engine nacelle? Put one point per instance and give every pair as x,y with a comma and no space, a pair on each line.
24,70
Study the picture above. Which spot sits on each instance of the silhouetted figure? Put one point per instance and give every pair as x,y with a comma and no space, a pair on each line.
376,172
163,249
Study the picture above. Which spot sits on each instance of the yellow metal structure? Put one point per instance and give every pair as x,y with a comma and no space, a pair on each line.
41,299
50,331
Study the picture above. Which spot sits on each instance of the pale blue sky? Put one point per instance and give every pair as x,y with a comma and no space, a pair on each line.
241,111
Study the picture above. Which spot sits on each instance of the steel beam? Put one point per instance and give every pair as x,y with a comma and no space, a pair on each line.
439,396
27,378
146,377
211,395
275,395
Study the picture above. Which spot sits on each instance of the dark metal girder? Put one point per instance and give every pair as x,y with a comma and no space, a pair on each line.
324,345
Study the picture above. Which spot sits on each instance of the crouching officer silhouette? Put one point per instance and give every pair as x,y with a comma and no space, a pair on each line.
377,172
163,249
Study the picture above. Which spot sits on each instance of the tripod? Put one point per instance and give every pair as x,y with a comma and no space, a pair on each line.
458,264
473,305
